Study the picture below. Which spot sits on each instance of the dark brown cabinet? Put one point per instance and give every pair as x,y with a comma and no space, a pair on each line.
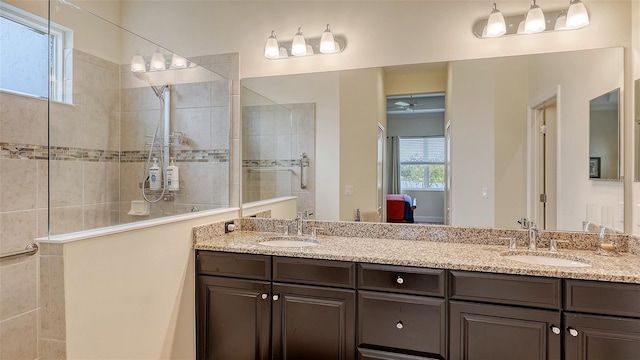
481,331
597,337
247,309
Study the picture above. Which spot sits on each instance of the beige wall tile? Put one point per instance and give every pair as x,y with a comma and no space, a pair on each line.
17,229
53,349
195,123
19,337
18,184
65,180
17,113
64,219
19,284
52,311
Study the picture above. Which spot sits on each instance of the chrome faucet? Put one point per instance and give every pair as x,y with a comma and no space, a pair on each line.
533,236
299,223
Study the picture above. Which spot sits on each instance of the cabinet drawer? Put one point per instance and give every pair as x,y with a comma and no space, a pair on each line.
370,354
405,322
506,289
402,279
246,266
314,272
602,297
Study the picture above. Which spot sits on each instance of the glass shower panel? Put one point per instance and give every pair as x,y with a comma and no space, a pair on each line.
270,165
133,109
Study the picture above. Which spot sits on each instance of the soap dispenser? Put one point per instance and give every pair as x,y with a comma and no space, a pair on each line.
173,175
155,180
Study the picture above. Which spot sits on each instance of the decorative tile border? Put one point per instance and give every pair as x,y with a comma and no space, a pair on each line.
63,153
270,163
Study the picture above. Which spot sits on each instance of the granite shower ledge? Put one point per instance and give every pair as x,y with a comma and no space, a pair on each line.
441,255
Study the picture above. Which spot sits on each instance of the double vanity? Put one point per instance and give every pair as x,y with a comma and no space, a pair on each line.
446,293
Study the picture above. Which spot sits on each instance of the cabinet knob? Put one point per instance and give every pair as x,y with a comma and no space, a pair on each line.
276,297
573,332
555,329
400,280
399,325
265,296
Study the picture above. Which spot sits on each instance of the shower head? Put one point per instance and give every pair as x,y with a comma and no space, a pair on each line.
159,90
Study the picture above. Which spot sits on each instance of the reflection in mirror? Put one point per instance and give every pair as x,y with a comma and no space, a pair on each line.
636,112
277,150
498,171
604,135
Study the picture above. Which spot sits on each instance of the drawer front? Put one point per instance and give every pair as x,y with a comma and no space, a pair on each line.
370,354
506,289
314,272
402,323
402,279
602,298
246,266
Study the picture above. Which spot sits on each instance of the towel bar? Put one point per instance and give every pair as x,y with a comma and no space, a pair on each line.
29,250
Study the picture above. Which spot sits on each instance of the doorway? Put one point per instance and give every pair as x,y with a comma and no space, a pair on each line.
543,158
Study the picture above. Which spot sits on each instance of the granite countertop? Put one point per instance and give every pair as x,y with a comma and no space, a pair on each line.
442,255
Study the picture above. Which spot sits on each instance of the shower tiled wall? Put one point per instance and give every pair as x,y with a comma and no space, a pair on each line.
274,136
88,181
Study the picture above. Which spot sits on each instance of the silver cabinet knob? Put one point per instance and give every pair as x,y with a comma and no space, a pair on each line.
276,297
573,332
400,280
555,330
265,296
399,325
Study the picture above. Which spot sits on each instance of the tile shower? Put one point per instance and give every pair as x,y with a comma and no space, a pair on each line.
72,167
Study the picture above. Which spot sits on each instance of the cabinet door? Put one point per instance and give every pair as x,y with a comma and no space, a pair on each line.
479,332
233,318
313,323
597,337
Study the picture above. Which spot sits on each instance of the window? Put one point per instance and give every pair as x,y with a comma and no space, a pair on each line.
31,55
422,163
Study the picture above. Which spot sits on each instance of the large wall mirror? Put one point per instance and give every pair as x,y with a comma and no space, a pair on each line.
515,128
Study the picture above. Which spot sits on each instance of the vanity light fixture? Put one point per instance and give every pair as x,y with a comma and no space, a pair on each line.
137,64
159,62
271,50
577,15
534,21
496,25
300,46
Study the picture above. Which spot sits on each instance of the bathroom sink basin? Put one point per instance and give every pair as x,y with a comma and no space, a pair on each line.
284,241
546,260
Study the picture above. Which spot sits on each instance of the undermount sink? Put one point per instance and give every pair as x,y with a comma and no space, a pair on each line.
543,259
284,241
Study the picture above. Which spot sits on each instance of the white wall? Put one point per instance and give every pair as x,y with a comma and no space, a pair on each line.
378,33
362,106
132,294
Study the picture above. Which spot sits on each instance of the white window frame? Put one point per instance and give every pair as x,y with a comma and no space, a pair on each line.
421,162
60,71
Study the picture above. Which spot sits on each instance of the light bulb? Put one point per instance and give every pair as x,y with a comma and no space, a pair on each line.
495,25
271,50
299,45
577,15
137,64
157,62
327,42
178,62
535,21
